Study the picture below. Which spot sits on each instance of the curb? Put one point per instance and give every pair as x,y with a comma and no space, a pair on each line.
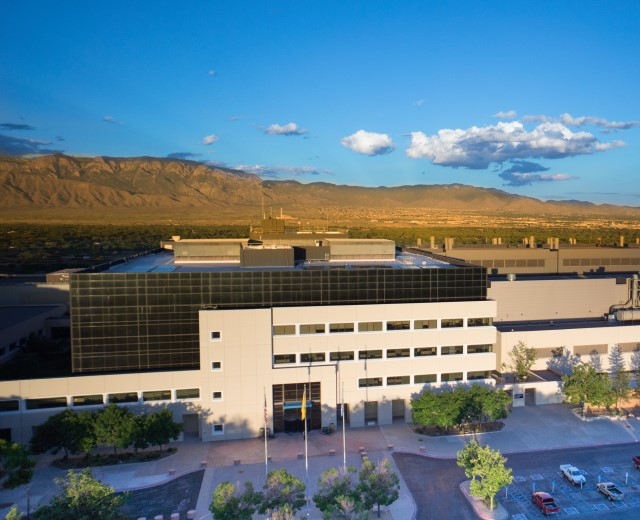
499,513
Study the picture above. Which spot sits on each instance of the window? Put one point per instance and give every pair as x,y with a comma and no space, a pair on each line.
340,327
479,322
188,393
313,357
425,351
451,322
156,395
312,328
369,381
479,349
453,376
125,397
46,402
9,406
450,351
425,324
216,396
348,355
397,352
215,335
370,354
284,359
216,365
87,400
480,374
369,326
397,380
217,429
284,330
398,325
425,378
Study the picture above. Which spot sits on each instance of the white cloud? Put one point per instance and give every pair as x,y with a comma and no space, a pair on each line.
282,171
509,114
477,147
368,143
569,120
210,139
524,179
212,73
288,129
536,118
112,120
419,103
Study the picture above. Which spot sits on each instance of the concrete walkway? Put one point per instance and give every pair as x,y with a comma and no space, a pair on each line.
527,429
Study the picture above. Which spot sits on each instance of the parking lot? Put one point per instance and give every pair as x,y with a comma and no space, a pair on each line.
572,500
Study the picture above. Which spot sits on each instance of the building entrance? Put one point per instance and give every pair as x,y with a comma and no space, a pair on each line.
287,406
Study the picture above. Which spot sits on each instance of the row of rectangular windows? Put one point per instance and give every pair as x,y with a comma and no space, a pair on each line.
13,405
391,353
600,261
531,262
368,382
375,326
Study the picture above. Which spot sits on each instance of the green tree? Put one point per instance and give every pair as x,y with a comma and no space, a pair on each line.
82,498
139,438
467,456
161,429
114,427
448,410
283,496
337,495
67,431
522,359
13,514
635,366
229,503
379,485
487,470
587,387
495,404
15,465
620,378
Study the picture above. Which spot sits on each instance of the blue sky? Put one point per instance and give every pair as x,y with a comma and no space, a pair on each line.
536,98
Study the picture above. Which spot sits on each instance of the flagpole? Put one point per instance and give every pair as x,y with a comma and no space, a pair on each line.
306,458
344,439
266,417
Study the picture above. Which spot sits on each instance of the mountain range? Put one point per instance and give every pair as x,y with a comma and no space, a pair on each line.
103,189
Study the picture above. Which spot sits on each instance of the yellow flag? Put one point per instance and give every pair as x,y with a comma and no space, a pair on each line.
303,408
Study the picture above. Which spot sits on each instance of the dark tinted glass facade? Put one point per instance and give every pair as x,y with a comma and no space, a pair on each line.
149,321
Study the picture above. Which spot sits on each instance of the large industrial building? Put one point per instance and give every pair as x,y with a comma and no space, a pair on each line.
216,329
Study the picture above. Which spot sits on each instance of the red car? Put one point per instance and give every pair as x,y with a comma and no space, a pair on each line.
545,502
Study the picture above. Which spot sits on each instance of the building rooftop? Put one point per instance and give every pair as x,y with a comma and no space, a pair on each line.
584,323
163,262
11,315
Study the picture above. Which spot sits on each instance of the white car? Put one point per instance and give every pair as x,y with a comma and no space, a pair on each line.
572,474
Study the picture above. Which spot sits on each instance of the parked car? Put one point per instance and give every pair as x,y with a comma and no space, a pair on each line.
572,474
610,490
545,502
636,461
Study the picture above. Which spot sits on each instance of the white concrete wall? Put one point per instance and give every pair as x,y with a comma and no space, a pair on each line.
554,299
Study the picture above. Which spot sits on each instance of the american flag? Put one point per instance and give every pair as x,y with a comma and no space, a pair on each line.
266,414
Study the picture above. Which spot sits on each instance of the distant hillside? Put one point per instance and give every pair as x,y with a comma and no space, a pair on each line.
60,187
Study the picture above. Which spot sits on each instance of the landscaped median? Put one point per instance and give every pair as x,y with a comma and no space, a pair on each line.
480,507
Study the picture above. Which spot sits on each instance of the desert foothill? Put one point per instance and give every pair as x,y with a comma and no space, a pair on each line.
321,260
